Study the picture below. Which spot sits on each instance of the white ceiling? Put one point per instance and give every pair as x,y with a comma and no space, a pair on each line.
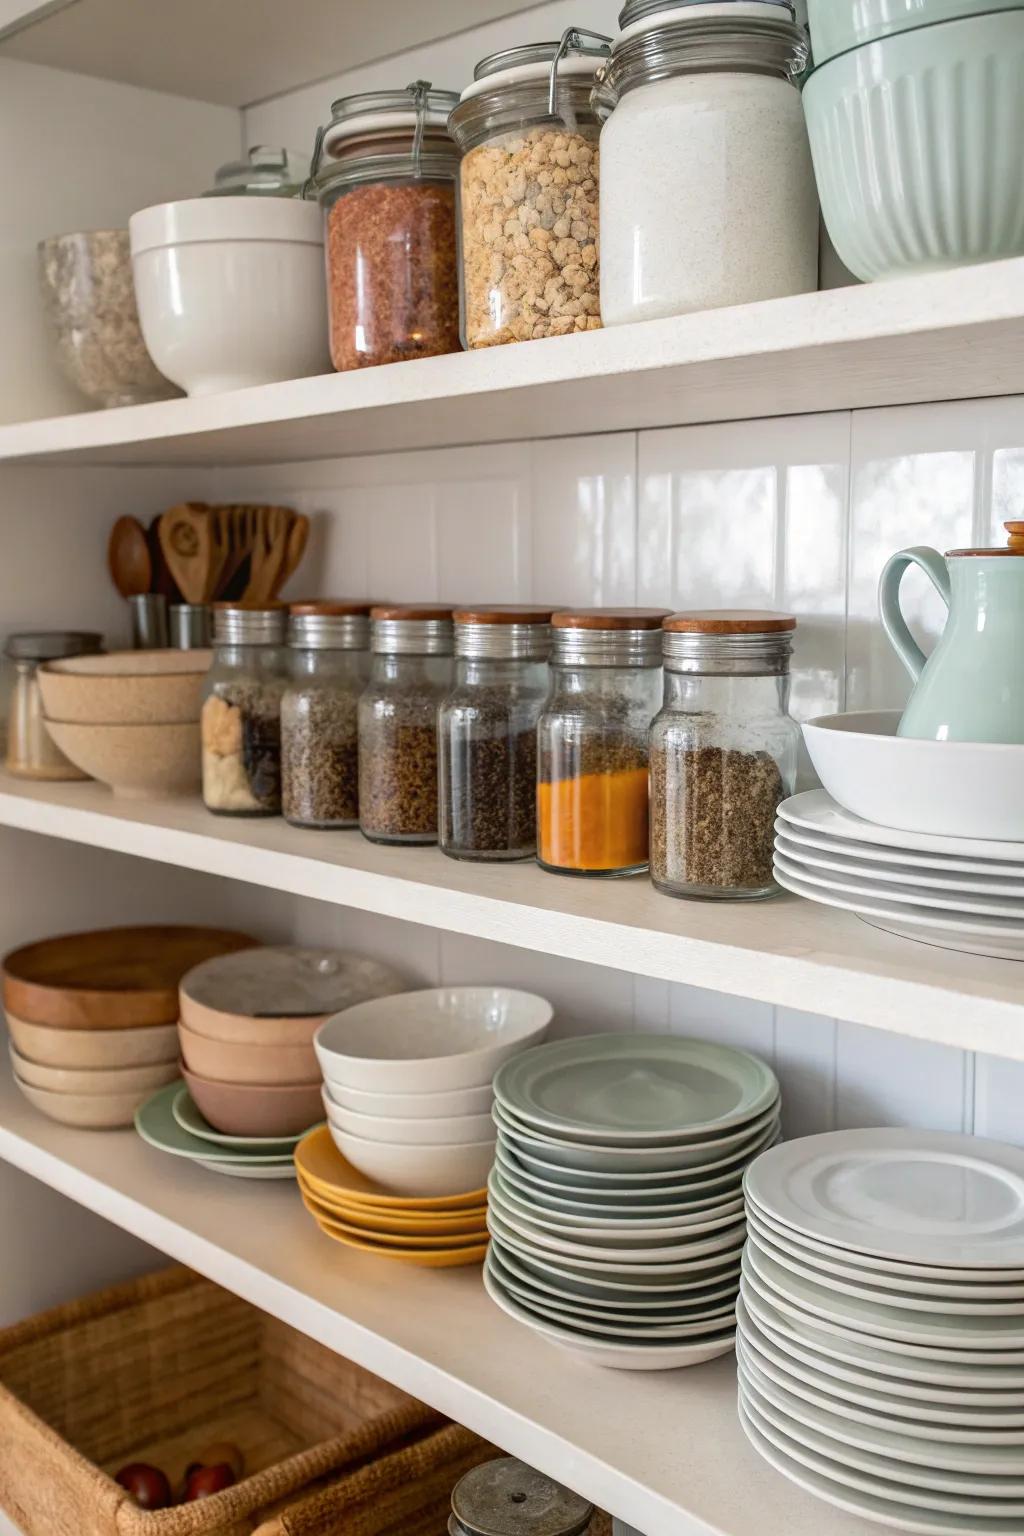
233,52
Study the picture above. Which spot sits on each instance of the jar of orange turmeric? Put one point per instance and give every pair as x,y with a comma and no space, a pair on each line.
592,793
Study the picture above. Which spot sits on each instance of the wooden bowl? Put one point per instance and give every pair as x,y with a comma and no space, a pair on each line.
125,688
116,978
88,1111
268,1065
250,1109
93,1049
85,1080
138,762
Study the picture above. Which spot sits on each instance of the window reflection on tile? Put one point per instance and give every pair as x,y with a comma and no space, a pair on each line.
584,521
483,538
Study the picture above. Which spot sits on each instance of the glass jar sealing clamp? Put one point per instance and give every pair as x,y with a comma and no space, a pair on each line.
529,192
487,733
384,172
329,644
723,753
592,784
241,715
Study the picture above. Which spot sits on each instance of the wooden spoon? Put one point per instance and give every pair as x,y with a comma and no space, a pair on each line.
128,558
268,553
298,538
188,548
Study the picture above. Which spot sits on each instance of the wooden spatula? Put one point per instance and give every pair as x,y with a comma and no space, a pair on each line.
298,538
187,545
268,553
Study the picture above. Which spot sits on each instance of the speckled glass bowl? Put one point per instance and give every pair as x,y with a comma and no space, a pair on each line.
89,297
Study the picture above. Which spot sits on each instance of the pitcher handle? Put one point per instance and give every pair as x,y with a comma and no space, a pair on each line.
893,622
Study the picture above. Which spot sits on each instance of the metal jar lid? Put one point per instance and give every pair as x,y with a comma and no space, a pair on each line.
370,132
607,637
640,10
411,629
573,59
244,624
329,626
52,645
729,642
508,1498
503,632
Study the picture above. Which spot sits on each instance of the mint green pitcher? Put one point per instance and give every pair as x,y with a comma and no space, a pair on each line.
971,688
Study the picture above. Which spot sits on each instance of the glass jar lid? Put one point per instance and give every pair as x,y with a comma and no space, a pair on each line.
249,623
607,637
373,133
577,53
411,629
504,632
507,1498
331,625
52,645
730,642
263,172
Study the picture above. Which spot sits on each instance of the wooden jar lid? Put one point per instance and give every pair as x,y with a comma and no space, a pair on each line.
729,621
502,613
415,611
609,618
330,608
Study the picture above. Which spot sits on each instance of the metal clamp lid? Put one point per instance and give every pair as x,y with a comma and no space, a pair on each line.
570,45
419,105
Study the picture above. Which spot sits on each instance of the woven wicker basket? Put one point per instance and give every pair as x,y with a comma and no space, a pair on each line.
156,1369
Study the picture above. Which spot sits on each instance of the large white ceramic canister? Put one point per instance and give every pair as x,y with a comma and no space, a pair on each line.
707,188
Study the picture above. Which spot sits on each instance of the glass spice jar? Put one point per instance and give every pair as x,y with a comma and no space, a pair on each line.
723,753
411,671
330,667
509,1497
592,741
384,170
31,752
241,716
487,733
528,192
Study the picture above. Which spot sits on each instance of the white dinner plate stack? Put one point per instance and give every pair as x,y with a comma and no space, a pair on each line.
955,892
616,1201
881,1326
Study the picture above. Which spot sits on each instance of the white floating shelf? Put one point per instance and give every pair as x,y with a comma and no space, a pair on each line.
944,336
785,951
662,1451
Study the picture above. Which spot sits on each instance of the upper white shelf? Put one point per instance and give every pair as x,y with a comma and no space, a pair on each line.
662,1451
785,951
944,336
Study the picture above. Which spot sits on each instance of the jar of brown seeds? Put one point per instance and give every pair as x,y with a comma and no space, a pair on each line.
723,753
411,671
241,716
330,650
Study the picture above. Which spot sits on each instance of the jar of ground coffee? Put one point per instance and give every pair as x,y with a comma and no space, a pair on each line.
411,672
507,1498
330,650
487,733
723,753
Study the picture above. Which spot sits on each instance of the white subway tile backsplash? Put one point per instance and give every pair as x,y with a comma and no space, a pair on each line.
584,521
805,1061
730,1020
999,1099
884,1079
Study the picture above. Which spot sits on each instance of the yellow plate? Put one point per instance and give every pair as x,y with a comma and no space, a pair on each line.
433,1258
327,1220
327,1172
414,1223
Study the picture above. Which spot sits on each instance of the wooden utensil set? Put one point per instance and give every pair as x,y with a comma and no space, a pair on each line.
200,554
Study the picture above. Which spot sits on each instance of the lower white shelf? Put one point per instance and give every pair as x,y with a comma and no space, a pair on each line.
662,1451
786,951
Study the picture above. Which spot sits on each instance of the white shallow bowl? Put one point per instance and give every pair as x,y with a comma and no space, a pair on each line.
431,1041
447,1131
946,788
103,1080
231,290
94,1047
414,1106
451,1170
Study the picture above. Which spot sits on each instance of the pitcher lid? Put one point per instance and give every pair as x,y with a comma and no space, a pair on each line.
1014,546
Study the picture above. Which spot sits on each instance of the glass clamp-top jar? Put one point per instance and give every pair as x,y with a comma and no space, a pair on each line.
528,201
330,666
31,751
592,814
508,1498
723,753
241,717
708,195
411,672
263,172
487,733
384,170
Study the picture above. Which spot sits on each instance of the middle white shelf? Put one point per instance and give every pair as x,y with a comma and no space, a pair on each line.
786,951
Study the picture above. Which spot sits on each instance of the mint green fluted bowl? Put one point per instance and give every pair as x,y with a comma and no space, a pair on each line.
917,145
838,25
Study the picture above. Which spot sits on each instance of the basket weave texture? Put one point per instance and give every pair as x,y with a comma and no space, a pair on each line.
156,1369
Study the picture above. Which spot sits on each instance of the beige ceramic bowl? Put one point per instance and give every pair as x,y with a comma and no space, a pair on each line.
259,1064
141,1080
241,1029
89,1111
139,762
125,688
249,1109
94,1048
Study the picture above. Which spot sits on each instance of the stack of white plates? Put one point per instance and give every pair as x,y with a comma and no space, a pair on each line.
956,892
616,1204
881,1326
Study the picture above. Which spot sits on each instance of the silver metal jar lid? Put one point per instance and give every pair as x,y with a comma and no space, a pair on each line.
508,1498
729,643
234,624
371,132
608,637
52,645
416,629
503,633
639,10
329,626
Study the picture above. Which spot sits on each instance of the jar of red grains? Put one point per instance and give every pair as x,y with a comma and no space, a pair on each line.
384,171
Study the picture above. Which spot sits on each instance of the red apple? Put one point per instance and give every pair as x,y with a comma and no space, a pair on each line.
223,1451
147,1485
205,1481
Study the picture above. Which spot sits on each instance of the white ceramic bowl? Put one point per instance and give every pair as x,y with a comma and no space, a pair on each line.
414,1106
88,1111
93,1048
452,1170
838,25
951,788
231,290
431,1041
104,1080
449,1130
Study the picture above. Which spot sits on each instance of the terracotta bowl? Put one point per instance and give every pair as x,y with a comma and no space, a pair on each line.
94,1049
240,1029
104,1080
139,762
89,1111
249,1109
258,1064
125,688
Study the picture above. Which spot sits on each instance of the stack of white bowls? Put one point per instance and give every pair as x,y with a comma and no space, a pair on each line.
615,1203
881,1326
407,1082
